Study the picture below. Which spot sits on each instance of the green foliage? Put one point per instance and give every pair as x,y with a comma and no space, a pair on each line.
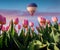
48,38
36,45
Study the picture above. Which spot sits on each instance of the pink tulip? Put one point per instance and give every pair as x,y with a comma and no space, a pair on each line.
54,19
3,28
1,19
41,20
19,26
41,24
4,20
25,23
16,21
48,21
37,27
7,27
31,24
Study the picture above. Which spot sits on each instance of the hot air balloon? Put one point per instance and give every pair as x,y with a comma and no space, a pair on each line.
31,8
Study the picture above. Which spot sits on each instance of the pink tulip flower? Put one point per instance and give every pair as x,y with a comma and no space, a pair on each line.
54,19
41,20
1,19
37,27
16,21
31,24
48,21
3,28
7,27
4,20
25,23
19,26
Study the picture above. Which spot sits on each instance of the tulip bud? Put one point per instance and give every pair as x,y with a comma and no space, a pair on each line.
25,23
41,20
3,28
48,21
1,18
4,20
41,24
31,24
7,27
54,19
16,21
37,27
19,26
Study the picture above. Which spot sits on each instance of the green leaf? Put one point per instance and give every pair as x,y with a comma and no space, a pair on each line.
36,45
22,36
56,25
55,47
11,30
17,43
0,41
55,35
4,39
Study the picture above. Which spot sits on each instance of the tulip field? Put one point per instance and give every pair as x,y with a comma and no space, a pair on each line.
47,38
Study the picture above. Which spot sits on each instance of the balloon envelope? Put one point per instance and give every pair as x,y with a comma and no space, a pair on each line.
31,8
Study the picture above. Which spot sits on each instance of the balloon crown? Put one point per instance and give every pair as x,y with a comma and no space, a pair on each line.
32,5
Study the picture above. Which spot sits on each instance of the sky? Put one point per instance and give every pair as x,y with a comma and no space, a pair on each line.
43,5
13,8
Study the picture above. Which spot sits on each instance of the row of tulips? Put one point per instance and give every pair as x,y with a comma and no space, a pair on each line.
48,37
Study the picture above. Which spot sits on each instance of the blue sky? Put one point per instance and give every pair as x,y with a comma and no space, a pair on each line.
21,5
43,5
